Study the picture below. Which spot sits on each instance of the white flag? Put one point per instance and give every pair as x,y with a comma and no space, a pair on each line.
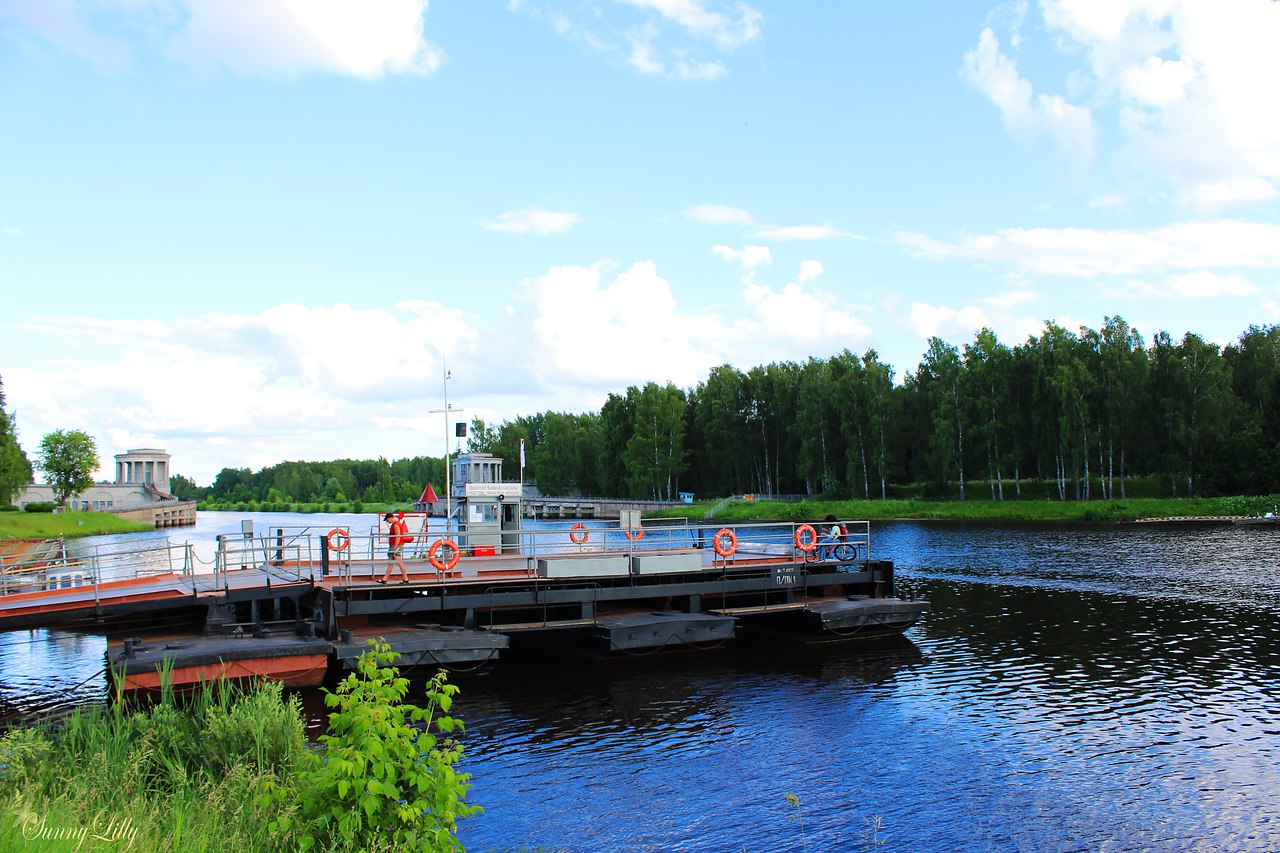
522,454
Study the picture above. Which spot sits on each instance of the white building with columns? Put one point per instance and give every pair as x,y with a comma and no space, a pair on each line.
142,479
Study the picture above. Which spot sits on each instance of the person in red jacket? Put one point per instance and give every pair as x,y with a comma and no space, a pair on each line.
399,537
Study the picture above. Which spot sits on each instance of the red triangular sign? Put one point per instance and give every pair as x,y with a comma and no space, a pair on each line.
428,495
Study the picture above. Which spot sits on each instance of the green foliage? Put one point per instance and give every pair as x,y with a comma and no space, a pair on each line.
230,769
797,815
171,775
481,438
340,481
15,468
387,777
40,506
68,458
67,525
655,453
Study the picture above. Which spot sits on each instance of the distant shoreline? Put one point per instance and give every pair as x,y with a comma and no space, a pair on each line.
1116,511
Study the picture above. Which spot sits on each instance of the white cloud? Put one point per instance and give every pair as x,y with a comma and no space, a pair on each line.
803,232
624,331
1156,82
368,39
809,270
1187,85
1091,253
668,39
644,55
333,381
749,256
291,382
650,59
718,214
1216,195
993,74
592,331
12,231
962,324
274,37
533,220
1200,284
726,31
812,317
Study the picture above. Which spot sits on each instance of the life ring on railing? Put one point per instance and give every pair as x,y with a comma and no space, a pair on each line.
719,542
343,539
635,535
813,538
579,538
441,565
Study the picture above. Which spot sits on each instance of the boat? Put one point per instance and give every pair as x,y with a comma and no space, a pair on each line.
296,604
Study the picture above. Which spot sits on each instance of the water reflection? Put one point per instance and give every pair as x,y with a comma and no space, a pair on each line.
43,672
1073,688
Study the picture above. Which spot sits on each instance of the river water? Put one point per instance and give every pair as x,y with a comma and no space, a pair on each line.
1074,688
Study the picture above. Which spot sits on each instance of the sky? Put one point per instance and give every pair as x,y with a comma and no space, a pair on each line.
250,231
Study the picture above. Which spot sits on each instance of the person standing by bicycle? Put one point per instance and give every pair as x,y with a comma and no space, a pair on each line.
836,533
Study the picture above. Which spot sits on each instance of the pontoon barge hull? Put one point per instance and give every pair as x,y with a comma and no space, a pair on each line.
291,606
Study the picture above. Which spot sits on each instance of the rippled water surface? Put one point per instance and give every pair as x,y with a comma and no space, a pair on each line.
1110,688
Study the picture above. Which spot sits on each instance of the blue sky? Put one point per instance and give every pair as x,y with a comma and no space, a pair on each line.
256,231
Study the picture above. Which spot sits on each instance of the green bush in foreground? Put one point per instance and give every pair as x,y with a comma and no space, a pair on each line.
231,769
383,782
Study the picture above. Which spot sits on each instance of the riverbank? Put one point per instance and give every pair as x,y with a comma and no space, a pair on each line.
1096,511
65,525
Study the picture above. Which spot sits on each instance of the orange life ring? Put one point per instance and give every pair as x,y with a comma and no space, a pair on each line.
813,538
725,550
440,565
579,538
638,534
344,539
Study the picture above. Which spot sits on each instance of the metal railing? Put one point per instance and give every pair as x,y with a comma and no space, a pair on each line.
81,566
288,554
300,553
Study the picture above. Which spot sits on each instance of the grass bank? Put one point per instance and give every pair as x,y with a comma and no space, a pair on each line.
230,769
44,525
1110,511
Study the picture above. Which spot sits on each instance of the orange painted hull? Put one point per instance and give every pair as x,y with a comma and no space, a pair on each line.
293,670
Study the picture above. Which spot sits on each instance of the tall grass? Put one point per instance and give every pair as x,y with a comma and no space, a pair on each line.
224,769
174,775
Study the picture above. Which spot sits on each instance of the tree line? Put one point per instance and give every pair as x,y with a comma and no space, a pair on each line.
15,468
1082,413
339,481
